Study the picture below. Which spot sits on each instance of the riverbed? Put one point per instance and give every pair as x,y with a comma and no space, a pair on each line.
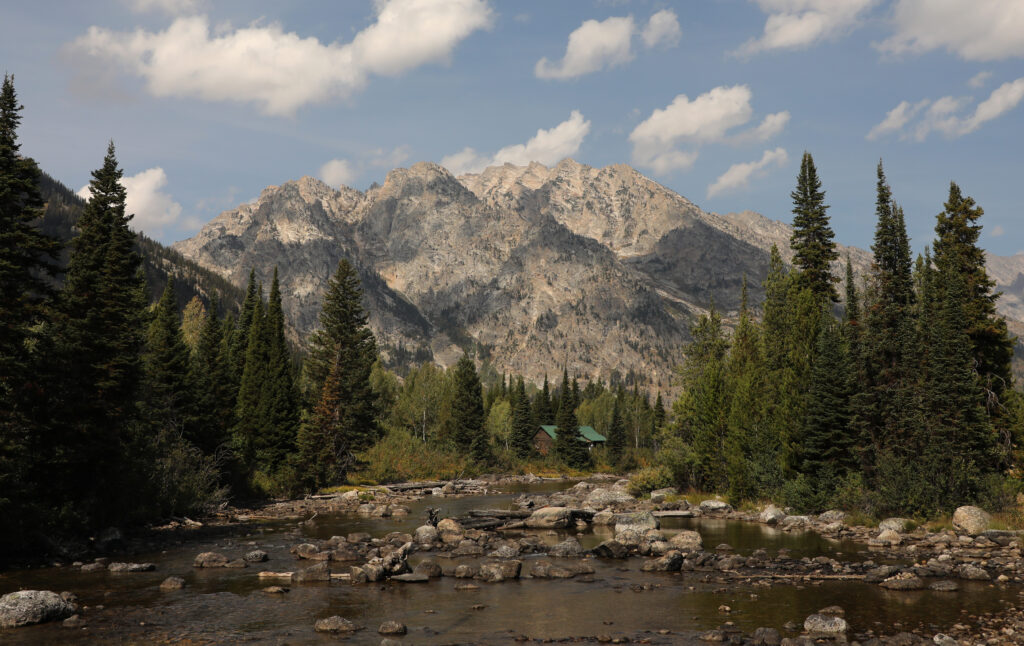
618,600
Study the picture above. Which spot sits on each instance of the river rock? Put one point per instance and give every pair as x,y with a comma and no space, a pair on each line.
671,562
889,537
256,556
903,581
318,572
825,624
27,607
465,571
894,524
451,531
305,550
971,520
210,559
607,497
832,516
426,534
497,571
771,515
74,621
791,522
548,570
94,567
429,567
411,577
173,583
467,548
606,517
972,573
335,624
131,567
549,518
611,549
687,540
392,628
944,586
569,548
360,537
766,637
715,507
639,521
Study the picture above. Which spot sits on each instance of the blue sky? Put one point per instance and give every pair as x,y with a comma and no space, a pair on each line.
209,102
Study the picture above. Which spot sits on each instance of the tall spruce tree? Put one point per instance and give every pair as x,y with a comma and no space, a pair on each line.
827,442
523,428
468,412
616,432
568,447
542,413
245,434
169,396
812,242
338,366
97,337
215,404
279,406
239,342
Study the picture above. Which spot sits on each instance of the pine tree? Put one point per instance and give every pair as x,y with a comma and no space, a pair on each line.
341,356
812,240
542,414
827,443
169,396
568,447
523,428
616,433
240,336
851,311
248,408
279,406
97,338
210,373
468,412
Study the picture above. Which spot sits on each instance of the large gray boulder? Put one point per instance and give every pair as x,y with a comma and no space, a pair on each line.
569,548
27,607
771,515
971,520
825,624
210,559
639,521
607,497
426,534
895,524
497,571
549,518
715,507
335,624
687,540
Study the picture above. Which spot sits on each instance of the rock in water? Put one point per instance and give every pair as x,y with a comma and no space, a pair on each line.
771,515
392,628
256,556
687,541
210,559
715,507
971,520
131,567
27,607
549,518
825,624
173,583
639,521
335,624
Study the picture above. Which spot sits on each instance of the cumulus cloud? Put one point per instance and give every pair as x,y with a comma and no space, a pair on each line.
946,115
975,30
592,46
338,172
796,24
155,211
979,79
662,30
172,7
739,175
547,147
282,71
709,118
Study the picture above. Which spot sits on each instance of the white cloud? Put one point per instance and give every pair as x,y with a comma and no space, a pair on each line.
945,115
592,46
171,7
338,172
997,231
662,30
796,24
739,175
897,118
547,147
976,30
154,210
706,119
979,79
282,71
389,158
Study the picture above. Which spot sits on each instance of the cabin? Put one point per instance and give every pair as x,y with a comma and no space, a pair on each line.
546,436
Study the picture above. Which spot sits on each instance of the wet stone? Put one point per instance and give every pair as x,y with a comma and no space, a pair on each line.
256,556
335,624
411,578
173,583
392,628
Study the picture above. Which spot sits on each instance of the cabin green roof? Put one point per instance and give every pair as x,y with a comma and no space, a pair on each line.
587,433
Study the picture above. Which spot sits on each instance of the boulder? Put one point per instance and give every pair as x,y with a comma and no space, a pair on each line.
611,550
497,571
451,531
465,571
944,586
771,515
131,567
256,556
335,624
318,572
549,518
687,540
305,551
671,562
210,559
832,516
904,581
792,522
392,628
766,637
639,521
428,567
606,517
426,534
94,567
27,607
825,624
889,536
715,507
971,520
607,497
895,524
972,573
173,583
505,552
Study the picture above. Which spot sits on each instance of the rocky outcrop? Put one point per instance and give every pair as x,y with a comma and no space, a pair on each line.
549,518
27,607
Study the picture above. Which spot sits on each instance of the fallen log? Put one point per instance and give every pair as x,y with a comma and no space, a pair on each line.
410,486
498,513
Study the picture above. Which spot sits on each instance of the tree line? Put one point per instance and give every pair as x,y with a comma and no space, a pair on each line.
899,401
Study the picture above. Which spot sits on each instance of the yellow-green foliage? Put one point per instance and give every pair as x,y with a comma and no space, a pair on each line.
400,457
648,479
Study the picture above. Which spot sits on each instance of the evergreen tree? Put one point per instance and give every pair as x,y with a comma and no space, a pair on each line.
812,242
523,428
245,434
542,415
616,433
468,411
568,447
97,338
827,443
169,397
215,404
345,420
279,406
240,337
851,312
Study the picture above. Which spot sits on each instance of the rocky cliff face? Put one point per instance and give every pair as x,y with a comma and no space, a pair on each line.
601,270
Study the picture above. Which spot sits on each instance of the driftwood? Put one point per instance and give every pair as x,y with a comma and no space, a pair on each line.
276,575
498,513
480,523
410,486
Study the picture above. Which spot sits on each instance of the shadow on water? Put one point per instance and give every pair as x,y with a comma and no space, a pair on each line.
229,606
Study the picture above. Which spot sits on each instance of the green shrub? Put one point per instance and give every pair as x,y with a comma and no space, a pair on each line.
398,457
648,479
998,492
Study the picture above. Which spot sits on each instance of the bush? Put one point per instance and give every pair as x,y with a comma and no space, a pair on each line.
185,480
398,457
853,495
998,492
648,479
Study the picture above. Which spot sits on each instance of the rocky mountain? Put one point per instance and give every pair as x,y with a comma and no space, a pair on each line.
601,270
